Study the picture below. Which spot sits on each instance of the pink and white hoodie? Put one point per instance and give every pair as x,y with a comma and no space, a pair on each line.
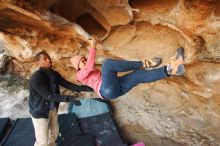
90,75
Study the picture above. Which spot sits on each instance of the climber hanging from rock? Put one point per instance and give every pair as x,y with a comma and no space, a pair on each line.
109,85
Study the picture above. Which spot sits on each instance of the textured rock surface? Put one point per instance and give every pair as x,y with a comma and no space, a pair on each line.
176,111
13,97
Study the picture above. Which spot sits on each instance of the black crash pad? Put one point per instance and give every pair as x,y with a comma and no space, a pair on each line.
22,133
4,125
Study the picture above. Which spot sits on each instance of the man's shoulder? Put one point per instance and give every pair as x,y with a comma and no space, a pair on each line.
57,73
38,73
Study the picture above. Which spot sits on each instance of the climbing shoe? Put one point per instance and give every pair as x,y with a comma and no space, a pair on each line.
176,64
154,62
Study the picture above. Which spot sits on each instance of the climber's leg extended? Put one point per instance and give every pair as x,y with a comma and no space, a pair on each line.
132,79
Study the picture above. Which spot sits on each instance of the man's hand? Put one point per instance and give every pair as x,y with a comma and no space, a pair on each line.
76,102
73,100
64,98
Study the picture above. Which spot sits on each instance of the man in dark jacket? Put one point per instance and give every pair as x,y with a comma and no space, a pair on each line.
45,97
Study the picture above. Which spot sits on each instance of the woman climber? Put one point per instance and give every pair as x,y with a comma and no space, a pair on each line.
109,85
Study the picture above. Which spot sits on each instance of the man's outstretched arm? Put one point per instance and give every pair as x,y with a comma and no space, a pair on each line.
73,87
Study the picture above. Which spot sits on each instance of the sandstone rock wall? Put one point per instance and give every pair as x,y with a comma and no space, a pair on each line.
175,111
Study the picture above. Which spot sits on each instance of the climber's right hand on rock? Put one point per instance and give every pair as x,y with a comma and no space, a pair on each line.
93,42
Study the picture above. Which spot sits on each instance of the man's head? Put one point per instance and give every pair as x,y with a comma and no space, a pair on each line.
43,60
